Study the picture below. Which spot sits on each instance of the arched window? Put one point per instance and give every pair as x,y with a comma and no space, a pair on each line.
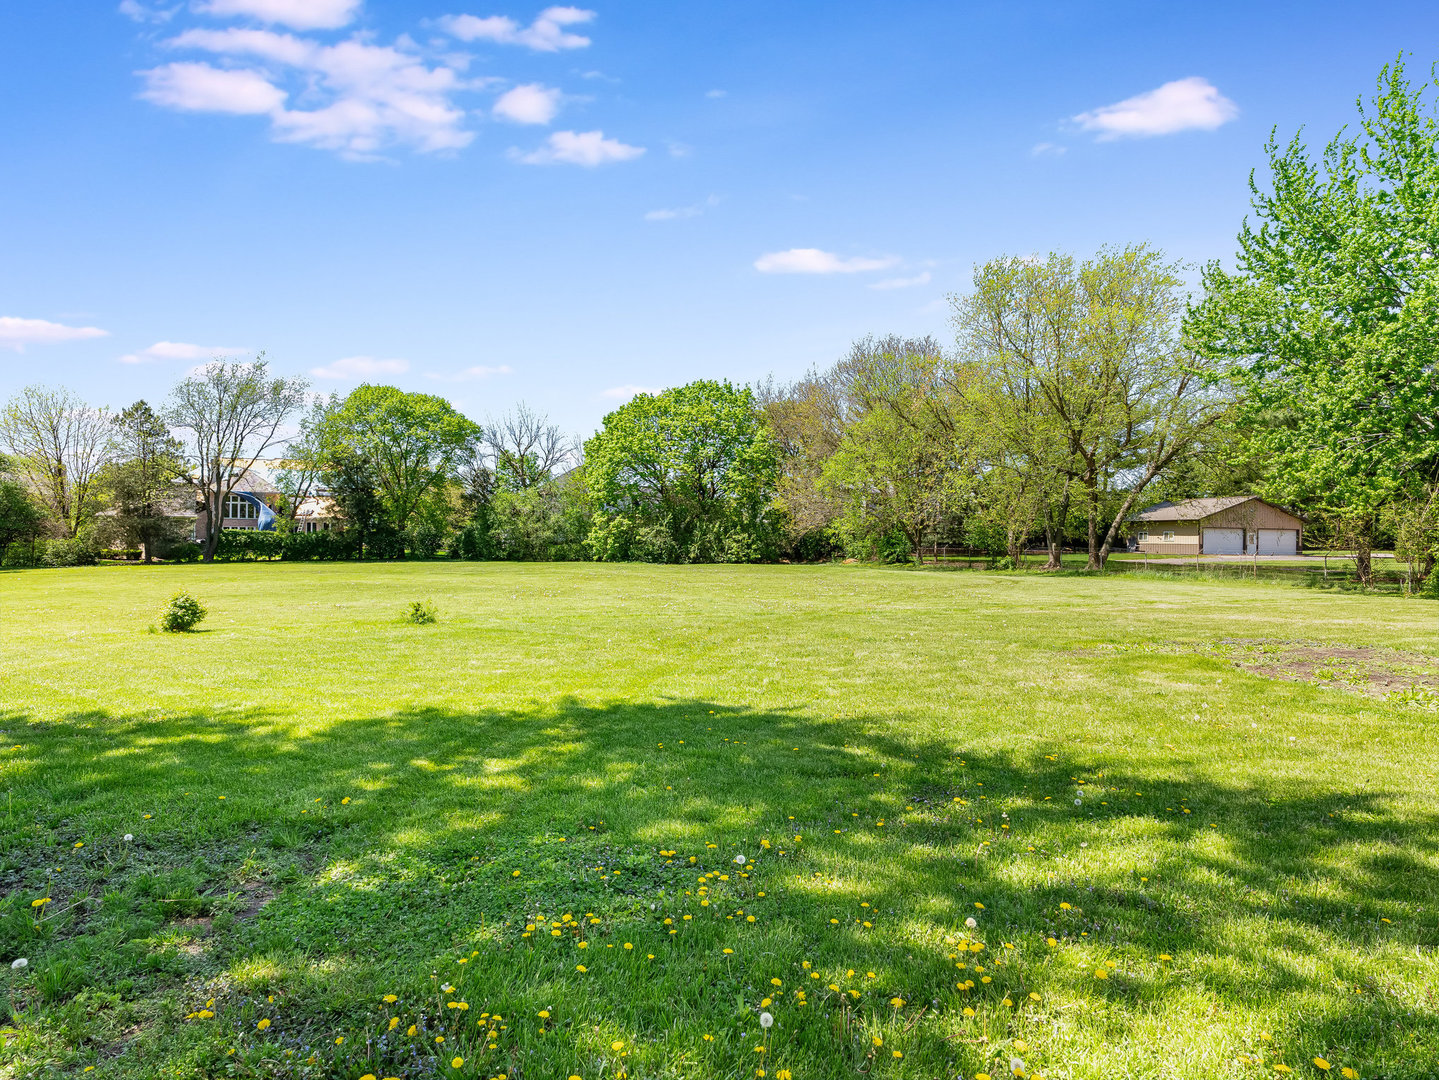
238,507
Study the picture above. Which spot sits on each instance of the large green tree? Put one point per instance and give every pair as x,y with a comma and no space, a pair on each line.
687,475
1329,320
21,518
233,412
1088,378
412,446
144,482
61,447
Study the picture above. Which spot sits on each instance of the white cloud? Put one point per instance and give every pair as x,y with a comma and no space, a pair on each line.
133,9
589,148
716,93
922,278
202,88
298,14
1181,105
179,350
546,34
1046,149
627,392
528,104
470,374
680,212
377,95
16,333
814,261
360,367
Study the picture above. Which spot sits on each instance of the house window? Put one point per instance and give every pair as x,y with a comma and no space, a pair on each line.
1169,536
1143,535
237,507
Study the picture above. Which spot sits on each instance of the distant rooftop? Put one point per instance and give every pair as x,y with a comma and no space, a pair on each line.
1190,509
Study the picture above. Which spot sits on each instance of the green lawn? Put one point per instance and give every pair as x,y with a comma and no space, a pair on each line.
540,802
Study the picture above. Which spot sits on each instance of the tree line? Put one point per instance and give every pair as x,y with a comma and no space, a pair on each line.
1074,392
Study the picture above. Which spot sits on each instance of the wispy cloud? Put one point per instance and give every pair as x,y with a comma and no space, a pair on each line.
617,393
360,367
193,87
530,103
679,213
470,374
16,333
716,93
589,148
815,261
1046,149
546,34
179,350
1181,105
296,14
922,278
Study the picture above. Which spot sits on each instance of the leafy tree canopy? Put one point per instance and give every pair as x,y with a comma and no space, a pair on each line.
1329,322
413,445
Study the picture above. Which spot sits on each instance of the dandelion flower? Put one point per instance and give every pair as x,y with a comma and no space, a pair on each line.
617,1045
1320,1063
581,968
455,1063
544,1014
898,1003
389,999
776,982
899,1054
968,1011
262,1024
1033,996
766,1020
515,874
20,962
1064,907
1101,973
1348,1073
969,922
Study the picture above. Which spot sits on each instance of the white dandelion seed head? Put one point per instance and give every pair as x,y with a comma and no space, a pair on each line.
969,922
1016,1065
739,860
16,965
1078,802
129,837
766,1020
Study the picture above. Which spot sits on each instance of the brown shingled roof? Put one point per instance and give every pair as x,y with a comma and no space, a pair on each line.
1190,509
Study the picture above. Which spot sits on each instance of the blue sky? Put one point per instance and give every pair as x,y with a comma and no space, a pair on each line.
500,203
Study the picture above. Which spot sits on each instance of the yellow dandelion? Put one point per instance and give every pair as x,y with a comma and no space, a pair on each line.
455,1063
1320,1063
617,1045
390,999
1101,973
262,1024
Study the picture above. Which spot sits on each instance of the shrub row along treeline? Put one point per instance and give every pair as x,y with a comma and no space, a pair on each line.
1076,392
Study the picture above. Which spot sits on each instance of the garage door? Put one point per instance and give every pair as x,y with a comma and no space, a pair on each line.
1224,541
1278,542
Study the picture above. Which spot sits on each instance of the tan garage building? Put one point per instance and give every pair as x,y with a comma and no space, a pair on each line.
1231,525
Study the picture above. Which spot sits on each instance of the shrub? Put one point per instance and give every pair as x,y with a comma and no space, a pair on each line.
186,551
68,553
182,613
422,613
20,553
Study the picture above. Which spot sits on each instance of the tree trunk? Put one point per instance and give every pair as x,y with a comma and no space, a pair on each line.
1363,564
1054,531
1096,557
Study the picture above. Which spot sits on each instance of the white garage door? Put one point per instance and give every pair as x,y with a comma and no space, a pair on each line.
1278,542
1224,541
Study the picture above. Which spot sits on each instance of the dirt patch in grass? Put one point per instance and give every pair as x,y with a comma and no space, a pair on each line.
1403,677
1361,669
257,895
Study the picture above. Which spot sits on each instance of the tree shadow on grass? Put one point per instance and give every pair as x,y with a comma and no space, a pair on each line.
396,846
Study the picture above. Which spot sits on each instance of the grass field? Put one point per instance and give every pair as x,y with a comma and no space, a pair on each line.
315,841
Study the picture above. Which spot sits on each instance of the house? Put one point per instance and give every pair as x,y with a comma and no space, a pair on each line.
255,503
1230,525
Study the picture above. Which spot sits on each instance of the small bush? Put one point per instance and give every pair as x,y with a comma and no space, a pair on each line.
186,551
182,613
422,613
68,553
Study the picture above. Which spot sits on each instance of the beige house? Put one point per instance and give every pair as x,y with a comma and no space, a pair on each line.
255,501
1231,525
